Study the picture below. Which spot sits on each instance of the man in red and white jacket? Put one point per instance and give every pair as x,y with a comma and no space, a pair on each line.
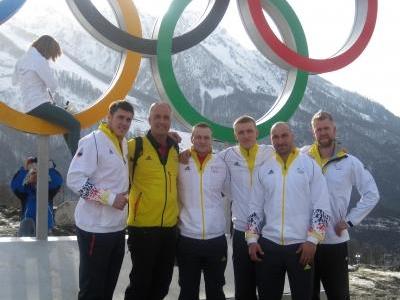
289,212
202,245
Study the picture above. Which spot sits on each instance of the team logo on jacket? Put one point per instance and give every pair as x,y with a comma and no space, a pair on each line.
236,164
148,157
187,168
271,172
339,167
300,171
215,169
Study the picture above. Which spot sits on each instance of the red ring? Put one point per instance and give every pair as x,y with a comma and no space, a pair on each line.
309,64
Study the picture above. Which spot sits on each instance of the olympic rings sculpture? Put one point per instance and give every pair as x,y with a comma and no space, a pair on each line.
291,54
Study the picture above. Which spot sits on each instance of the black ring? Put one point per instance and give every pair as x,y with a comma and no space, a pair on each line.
104,31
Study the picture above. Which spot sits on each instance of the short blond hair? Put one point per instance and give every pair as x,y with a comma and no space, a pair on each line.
244,119
320,116
201,125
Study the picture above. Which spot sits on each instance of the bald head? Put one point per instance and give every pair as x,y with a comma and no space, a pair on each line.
155,105
280,126
282,138
160,119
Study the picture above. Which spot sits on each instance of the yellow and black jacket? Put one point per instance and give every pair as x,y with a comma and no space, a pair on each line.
153,199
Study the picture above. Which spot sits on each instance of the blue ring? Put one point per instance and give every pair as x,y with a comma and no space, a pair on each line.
8,8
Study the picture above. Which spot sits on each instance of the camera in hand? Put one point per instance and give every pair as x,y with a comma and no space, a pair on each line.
33,160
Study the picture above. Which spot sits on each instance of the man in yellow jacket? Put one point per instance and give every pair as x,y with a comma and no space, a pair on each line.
153,208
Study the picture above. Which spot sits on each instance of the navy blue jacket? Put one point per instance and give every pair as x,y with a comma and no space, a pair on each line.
27,194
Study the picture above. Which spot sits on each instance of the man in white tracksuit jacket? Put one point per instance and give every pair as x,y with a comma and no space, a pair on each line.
243,162
99,173
342,171
290,210
202,243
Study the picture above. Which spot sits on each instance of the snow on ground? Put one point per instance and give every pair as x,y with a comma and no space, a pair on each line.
366,117
374,283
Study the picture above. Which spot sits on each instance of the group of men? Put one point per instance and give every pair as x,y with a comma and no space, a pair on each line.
284,201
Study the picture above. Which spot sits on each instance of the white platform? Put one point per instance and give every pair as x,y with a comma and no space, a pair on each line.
45,270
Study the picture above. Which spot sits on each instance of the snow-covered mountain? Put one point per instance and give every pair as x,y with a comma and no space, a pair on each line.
221,78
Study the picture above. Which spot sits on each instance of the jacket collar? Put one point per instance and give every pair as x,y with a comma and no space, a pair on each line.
285,165
103,127
200,166
250,156
156,145
338,153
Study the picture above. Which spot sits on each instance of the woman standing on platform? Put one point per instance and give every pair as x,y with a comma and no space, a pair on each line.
37,82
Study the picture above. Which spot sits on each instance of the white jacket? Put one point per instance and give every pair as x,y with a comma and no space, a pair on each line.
242,181
342,172
34,76
291,203
203,209
98,172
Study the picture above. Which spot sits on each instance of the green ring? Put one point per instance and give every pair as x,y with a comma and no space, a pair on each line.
170,89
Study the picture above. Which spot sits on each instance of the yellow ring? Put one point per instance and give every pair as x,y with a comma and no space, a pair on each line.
118,89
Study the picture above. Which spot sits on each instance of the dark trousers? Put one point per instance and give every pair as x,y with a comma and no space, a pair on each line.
244,269
27,227
59,116
153,257
331,268
195,256
101,256
271,271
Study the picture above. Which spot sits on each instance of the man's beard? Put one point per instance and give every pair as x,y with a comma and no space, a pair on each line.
327,143
283,150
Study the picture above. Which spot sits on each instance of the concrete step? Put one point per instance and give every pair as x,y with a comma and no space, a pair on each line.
45,270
